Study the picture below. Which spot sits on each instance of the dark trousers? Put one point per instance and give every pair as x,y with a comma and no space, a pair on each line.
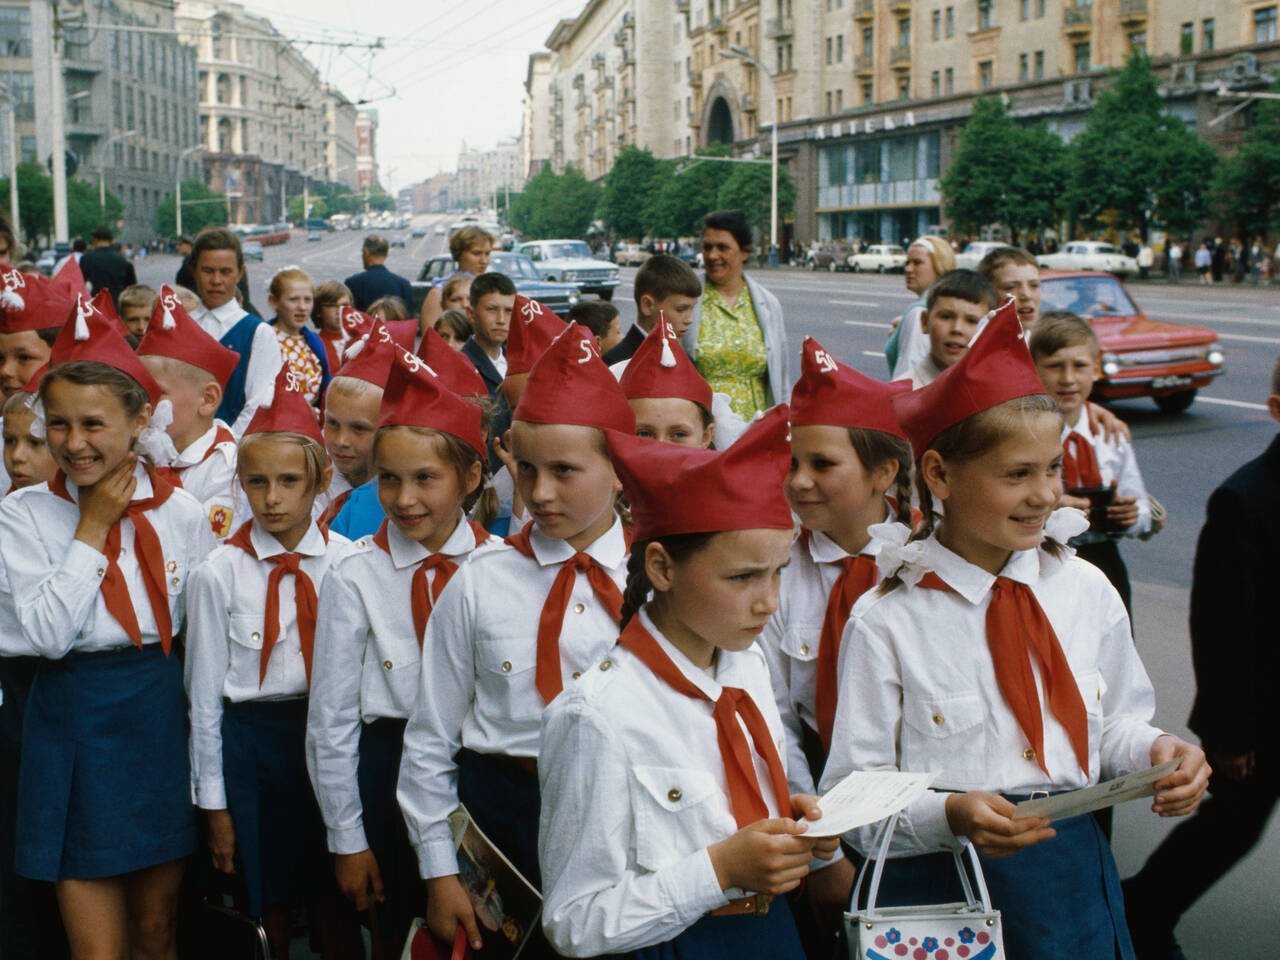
1105,555
1198,853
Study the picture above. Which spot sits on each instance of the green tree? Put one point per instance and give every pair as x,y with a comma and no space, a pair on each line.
201,207
35,197
747,188
629,188
1135,164
1247,186
84,212
680,201
556,205
1038,180
976,188
319,207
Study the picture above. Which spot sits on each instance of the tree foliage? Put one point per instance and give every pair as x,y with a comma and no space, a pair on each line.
1247,186
556,205
35,200
682,198
747,188
201,207
629,189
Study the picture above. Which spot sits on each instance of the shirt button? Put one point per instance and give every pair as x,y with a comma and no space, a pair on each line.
386,664
577,674
102,572
606,664
1029,754
506,666
674,794
256,636
804,650
579,608
175,581
939,719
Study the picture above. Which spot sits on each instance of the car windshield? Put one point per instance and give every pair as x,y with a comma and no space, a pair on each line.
894,251
513,266
1086,296
566,251
1105,248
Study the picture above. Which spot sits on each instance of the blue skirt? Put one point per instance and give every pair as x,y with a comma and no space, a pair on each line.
1058,900
105,784
279,833
381,743
770,936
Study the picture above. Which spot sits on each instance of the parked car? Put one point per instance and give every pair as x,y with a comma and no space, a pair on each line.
47,260
827,256
1141,357
559,297
880,257
631,255
251,249
570,261
972,254
1090,255
440,230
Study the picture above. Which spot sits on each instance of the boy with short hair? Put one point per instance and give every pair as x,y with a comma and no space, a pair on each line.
1015,273
218,264
664,284
957,303
601,318
136,304
493,297
1067,357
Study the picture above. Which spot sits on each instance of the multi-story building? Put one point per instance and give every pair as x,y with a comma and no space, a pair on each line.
267,118
129,93
366,149
482,174
535,135
870,95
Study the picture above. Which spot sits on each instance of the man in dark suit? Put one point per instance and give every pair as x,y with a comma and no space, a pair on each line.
104,268
376,281
1234,611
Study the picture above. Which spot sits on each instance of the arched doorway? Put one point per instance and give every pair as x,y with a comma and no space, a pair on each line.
720,122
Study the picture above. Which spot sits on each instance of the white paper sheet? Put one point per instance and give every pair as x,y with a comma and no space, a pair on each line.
867,796
1120,790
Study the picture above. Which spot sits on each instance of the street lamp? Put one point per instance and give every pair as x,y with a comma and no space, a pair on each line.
743,54
102,183
177,197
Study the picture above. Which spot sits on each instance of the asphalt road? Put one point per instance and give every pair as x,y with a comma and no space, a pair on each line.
1183,457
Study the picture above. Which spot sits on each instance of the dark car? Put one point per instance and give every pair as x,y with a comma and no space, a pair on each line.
559,297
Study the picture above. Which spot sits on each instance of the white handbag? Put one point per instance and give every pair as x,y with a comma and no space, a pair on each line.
944,931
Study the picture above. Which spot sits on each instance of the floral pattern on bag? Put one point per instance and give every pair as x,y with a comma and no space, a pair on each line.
965,945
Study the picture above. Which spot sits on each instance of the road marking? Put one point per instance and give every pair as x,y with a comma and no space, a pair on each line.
1222,401
1247,339
856,303
866,323
872,353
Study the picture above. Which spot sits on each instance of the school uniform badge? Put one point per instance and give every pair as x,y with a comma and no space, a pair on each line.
220,521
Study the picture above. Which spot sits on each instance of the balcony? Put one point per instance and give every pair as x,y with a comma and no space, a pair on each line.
682,6
864,9
717,25
597,61
1077,20
900,6
900,57
779,28
1133,13
864,64
604,83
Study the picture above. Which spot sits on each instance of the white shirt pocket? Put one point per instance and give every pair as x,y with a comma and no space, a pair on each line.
946,734
800,641
244,630
1092,688
505,680
672,814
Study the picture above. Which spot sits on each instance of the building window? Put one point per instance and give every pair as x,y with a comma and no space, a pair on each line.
839,100
1080,53
904,32
15,31
935,84
1039,68
782,61
1024,10
951,22
1208,33
1024,67
868,41
950,81
868,92
984,14
937,25
986,75
22,90
790,62
1187,40
830,48
1039,9
840,48
1138,40
1264,25
904,88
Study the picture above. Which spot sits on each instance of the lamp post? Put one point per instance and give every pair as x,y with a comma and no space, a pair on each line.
102,181
749,59
177,193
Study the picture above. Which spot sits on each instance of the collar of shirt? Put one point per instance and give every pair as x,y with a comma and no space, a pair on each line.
224,317
971,581
1081,426
141,492
195,453
608,550
407,553
822,549
265,545
711,296
699,677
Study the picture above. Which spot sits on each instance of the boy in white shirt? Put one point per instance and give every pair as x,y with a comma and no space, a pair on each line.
956,304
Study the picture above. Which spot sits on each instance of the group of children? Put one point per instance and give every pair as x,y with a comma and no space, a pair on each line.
287,639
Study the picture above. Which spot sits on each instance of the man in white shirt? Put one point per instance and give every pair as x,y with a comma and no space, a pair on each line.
218,264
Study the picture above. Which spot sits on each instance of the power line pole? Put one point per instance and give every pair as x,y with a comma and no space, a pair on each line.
57,119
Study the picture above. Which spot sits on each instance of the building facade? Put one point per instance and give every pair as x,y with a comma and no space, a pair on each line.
366,149
535,136
484,174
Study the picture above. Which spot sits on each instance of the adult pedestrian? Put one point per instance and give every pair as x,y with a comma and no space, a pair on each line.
185,277
928,258
1237,663
104,268
9,243
376,281
738,339
1204,262
470,248
1175,261
1146,260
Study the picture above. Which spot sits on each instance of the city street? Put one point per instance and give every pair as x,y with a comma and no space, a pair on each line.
1183,458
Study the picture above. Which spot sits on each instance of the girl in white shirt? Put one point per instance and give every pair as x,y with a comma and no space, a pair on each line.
377,600
517,625
97,563
668,826
249,660
938,671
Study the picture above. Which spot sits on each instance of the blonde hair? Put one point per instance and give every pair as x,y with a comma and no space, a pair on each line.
313,454
287,275
389,308
353,387
18,403
138,295
941,256
189,372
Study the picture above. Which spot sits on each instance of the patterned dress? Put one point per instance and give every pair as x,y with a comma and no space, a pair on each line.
297,355
731,352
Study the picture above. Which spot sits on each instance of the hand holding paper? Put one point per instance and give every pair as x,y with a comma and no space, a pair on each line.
867,796
1119,790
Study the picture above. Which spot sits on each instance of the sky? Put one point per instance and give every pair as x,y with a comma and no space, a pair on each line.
450,70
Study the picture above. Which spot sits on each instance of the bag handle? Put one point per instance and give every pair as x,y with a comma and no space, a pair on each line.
982,899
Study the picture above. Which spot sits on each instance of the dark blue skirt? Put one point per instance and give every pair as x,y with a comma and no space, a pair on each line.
770,936
105,785
381,743
279,833
1058,900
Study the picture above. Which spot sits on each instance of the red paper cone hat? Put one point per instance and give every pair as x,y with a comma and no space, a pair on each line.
288,411
674,490
571,384
369,357
356,325
103,303
29,302
88,335
455,371
69,280
831,394
661,368
997,367
533,327
416,396
172,333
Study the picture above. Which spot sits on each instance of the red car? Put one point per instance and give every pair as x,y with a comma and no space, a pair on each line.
1141,357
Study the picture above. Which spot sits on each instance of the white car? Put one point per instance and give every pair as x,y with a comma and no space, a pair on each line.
971,256
880,257
570,261
1090,255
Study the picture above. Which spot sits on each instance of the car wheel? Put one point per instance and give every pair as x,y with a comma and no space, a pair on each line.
856,267
606,294
831,267
880,269
1176,402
